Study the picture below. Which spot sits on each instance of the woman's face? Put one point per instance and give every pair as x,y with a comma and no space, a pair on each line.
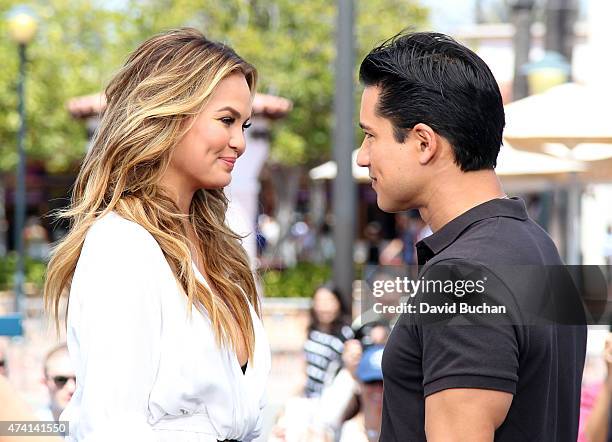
205,156
326,306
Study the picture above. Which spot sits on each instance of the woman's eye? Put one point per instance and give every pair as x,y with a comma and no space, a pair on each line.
228,120
245,126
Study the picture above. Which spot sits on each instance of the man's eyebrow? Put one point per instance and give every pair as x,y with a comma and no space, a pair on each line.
364,126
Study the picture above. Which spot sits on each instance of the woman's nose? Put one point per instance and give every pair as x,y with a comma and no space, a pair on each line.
238,142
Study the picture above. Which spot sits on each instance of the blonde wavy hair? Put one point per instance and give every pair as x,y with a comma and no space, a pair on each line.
151,103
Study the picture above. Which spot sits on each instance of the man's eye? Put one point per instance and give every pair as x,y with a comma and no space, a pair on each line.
228,120
367,135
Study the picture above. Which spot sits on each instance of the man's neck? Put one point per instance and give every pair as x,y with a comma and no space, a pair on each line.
452,196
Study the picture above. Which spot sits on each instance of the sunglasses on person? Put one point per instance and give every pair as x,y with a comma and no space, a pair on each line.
61,381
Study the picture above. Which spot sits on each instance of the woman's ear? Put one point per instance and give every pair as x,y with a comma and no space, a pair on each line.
426,142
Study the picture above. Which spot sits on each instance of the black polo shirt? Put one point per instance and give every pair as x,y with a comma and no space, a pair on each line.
540,365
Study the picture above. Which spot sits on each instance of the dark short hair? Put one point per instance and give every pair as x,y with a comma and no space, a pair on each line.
427,77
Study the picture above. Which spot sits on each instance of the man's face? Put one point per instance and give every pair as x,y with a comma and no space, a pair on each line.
393,166
60,380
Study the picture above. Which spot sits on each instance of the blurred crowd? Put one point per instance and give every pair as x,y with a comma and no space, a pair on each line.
339,398
340,395
59,380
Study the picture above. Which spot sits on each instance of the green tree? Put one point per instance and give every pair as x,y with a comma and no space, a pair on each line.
292,45
80,43
68,57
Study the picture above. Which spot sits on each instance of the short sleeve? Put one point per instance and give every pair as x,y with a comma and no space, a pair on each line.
469,349
114,323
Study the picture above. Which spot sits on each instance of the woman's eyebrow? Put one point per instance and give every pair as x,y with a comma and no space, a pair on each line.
231,110
235,113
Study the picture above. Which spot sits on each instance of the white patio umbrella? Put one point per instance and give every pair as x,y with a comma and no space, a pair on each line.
596,157
568,121
328,170
512,164
569,114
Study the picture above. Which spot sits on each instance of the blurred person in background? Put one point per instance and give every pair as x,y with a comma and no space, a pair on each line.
596,425
270,230
373,246
373,333
60,380
365,425
373,238
327,334
341,400
422,230
36,239
163,320
328,330
14,409
400,250
3,360
410,229
607,252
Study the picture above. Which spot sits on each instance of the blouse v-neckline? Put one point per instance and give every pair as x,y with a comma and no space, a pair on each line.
243,368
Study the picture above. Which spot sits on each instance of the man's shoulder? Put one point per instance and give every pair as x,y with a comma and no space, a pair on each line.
503,241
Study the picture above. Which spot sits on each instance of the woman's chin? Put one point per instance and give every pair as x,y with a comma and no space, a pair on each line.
218,183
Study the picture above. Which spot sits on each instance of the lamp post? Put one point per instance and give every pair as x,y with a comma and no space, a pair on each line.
560,18
344,194
22,28
521,13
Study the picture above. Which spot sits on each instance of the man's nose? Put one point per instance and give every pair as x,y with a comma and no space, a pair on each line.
363,157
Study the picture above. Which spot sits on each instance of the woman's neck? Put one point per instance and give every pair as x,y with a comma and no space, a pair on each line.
325,328
179,191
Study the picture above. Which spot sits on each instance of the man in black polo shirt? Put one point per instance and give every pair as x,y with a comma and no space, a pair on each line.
433,118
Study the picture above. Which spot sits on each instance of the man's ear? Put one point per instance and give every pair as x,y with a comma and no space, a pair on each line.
426,142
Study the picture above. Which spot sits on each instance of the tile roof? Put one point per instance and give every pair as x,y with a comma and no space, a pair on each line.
268,106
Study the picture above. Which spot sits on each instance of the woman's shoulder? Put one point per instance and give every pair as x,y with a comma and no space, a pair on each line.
118,236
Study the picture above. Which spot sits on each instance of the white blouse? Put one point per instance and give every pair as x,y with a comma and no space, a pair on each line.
145,370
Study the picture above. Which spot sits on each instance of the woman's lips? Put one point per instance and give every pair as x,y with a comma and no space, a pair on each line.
229,161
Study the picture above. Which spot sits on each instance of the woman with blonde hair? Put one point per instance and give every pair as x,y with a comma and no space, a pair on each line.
163,319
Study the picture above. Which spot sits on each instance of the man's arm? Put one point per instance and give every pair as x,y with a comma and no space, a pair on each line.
465,414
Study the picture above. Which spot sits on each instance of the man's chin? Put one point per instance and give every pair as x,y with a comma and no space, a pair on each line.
390,206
